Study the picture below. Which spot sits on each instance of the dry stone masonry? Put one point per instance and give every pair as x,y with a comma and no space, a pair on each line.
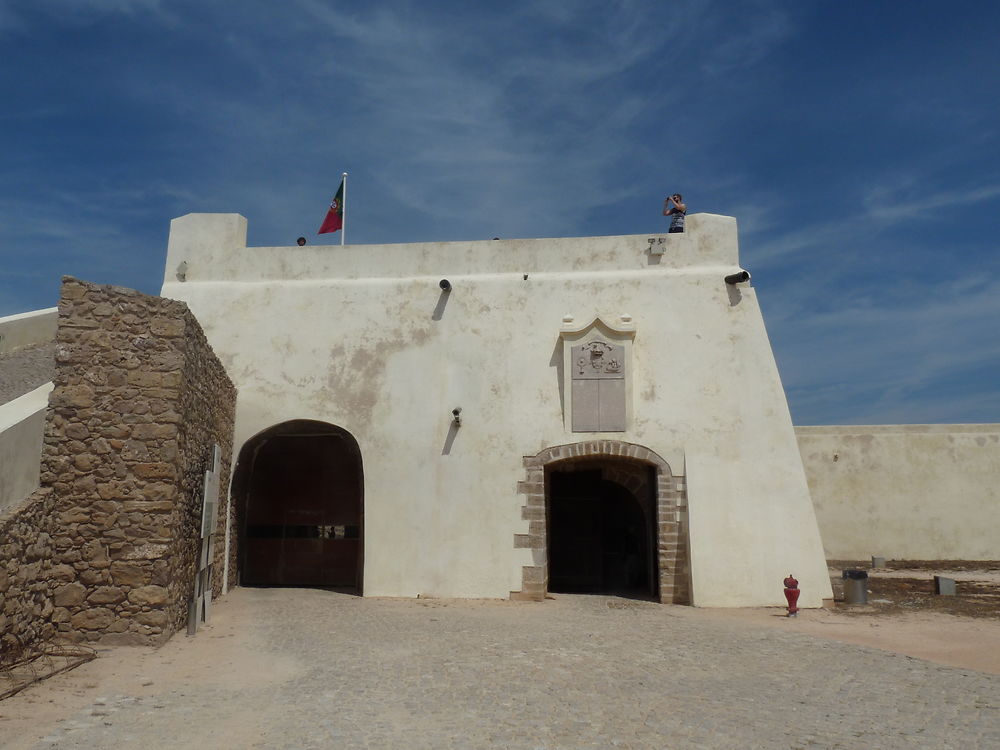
25,567
107,548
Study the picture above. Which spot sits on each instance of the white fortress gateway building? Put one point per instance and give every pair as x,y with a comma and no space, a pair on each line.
505,417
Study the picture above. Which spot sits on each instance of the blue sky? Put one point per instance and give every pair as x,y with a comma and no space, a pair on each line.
856,143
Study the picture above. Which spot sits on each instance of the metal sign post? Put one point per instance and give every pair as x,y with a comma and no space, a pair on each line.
200,606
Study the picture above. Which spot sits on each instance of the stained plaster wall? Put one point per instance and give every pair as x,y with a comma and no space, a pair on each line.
363,337
908,492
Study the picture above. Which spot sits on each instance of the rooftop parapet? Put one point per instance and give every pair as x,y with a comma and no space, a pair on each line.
212,247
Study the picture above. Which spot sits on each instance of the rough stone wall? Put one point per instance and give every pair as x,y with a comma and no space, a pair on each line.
137,395
25,575
208,411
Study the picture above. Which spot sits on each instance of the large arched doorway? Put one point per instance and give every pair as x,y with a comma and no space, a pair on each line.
300,490
600,533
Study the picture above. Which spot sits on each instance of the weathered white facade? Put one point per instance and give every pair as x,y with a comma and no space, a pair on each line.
364,338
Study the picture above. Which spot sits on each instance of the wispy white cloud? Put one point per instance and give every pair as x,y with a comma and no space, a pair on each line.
745,44
490,135
17,15
505,121
899,203
867,355
856,225
535,119
100,235
80,8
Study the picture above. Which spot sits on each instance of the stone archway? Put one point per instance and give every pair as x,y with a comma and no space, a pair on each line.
299,489
619,462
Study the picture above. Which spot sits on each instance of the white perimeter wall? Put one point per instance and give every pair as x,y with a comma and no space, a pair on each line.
362,337
22,423
908,492
25,329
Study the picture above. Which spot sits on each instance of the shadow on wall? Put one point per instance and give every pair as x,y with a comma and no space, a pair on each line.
735,295
442,302
449,440
556,361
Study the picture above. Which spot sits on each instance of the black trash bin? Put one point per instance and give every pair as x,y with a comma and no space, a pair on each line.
855,586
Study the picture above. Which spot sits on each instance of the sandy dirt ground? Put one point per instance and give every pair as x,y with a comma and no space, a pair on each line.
940,638
904,616
123,675
373,673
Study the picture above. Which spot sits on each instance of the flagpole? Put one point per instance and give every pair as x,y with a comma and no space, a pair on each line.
343,197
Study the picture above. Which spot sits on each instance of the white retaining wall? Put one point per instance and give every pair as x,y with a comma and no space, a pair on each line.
22,422
908,492
26,329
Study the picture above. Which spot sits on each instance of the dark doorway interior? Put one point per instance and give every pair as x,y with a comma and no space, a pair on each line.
599,539
302,487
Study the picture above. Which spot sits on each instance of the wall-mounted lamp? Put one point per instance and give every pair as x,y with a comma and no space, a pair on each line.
182,269
738,278
445,285
456,416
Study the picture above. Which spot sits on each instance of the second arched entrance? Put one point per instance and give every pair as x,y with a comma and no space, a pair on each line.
300,489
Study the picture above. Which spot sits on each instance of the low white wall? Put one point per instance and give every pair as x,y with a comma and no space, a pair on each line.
25,329
908,492
22,422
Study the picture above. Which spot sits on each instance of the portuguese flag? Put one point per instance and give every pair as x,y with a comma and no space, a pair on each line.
335,216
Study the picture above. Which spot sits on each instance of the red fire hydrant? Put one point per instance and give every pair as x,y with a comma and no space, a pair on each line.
792,595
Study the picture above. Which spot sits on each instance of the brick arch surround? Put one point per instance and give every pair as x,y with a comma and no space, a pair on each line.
618,460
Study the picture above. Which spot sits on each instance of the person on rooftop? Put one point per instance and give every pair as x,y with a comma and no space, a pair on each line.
675,207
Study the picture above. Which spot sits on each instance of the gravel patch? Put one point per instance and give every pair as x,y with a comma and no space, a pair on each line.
25,369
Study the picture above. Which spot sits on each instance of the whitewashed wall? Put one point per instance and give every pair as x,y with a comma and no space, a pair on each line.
908,492
362,337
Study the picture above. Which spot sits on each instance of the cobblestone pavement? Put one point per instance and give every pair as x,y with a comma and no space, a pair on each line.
287,668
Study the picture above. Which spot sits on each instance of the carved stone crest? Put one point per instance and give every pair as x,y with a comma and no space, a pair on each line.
598,360
596,374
